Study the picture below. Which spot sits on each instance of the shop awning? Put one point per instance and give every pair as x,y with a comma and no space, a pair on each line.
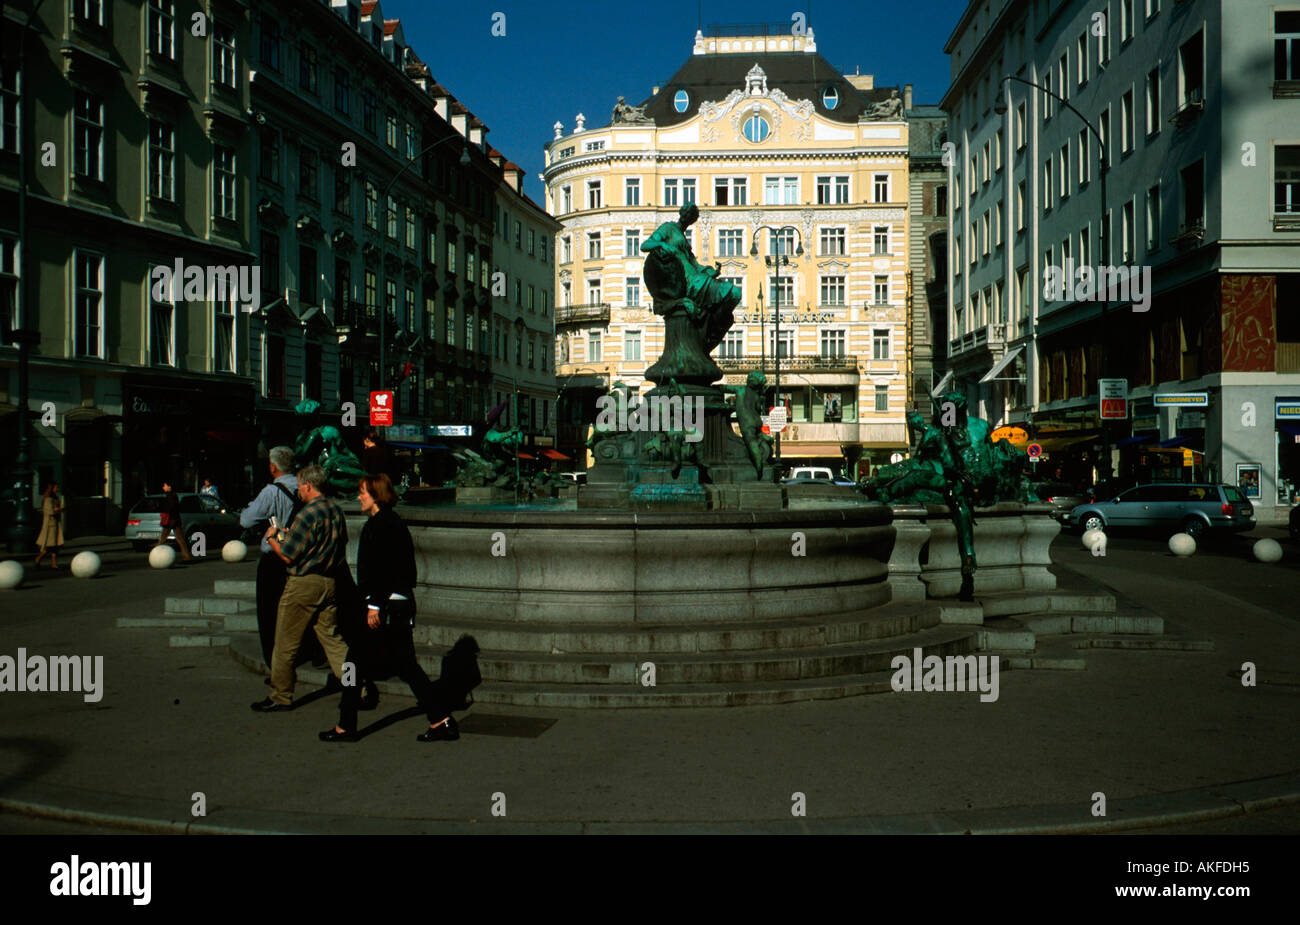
554,454
810,449
943,384
1062,441
1002,364
526,456
1176,441
1145,437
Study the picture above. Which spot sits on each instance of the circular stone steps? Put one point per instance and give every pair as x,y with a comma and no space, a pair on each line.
244,648
641,640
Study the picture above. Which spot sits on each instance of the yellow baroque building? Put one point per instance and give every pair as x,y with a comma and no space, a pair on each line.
788,159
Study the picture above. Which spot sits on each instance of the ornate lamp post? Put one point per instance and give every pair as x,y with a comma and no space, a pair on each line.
1103,250
775,261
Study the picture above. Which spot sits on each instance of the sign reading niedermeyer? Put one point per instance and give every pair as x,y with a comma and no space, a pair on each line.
1181,400
1114,398
381,409
1289,410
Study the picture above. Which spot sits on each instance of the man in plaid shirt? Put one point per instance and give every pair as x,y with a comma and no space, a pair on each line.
314,553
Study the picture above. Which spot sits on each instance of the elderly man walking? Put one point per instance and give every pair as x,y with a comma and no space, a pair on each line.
275,500
314,554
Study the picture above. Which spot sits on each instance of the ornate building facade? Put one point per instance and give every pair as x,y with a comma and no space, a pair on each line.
788,159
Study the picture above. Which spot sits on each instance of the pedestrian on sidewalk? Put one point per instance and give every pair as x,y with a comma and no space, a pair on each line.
51,538
170,519
277,500
210,490
384,646
314,552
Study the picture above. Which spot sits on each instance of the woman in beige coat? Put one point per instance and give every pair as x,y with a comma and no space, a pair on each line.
51,537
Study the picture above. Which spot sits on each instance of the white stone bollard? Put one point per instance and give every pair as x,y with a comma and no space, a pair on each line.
162,557
1090,538
12,574
1180,544
1268,550
234,551
86,564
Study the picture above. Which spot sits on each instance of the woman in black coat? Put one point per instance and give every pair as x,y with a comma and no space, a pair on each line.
386,584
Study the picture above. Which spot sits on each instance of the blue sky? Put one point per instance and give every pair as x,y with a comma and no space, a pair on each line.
560,58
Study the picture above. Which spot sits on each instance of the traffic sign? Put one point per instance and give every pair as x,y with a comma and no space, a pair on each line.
381,409
1114,398
1034,450
776,419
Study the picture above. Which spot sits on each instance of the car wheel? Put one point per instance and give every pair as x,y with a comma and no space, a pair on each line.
1194,527
1092,522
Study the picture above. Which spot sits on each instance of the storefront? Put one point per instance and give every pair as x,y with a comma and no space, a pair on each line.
186,430
1286,435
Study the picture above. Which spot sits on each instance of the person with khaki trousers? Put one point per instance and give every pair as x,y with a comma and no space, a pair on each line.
314,553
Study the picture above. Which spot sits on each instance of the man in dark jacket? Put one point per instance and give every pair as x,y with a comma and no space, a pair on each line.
386,581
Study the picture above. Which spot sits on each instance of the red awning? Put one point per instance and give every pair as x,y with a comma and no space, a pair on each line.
526,456
554,454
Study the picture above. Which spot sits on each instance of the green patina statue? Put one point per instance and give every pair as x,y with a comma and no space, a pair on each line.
324,446
749,416
955,463
676,280
496,465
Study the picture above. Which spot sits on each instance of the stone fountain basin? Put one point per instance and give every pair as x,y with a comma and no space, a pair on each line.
661,568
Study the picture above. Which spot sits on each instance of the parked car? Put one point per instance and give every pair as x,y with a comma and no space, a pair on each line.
820,475
1293,524
199,514
577,478
1061,497
1193,508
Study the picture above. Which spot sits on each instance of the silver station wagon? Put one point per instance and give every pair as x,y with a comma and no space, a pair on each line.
1192,508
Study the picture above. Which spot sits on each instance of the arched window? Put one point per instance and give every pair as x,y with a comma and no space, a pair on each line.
830,97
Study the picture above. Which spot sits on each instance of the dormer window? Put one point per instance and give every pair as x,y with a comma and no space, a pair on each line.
830,97
757,128
681,100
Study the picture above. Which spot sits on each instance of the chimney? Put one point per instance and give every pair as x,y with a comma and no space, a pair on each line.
907,96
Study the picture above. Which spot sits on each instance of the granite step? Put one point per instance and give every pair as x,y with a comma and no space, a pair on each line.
197,623
703,668
244,648
639,639
214,605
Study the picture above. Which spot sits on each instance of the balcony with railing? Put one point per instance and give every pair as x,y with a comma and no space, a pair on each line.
585,313
986,337
835,363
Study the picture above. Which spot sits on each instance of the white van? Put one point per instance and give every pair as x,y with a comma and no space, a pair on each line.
821,473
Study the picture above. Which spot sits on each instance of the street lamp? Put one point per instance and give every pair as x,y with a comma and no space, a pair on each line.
383,203
1103,247
776,260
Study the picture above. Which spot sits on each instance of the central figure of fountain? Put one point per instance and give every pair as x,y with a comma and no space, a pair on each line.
679,284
